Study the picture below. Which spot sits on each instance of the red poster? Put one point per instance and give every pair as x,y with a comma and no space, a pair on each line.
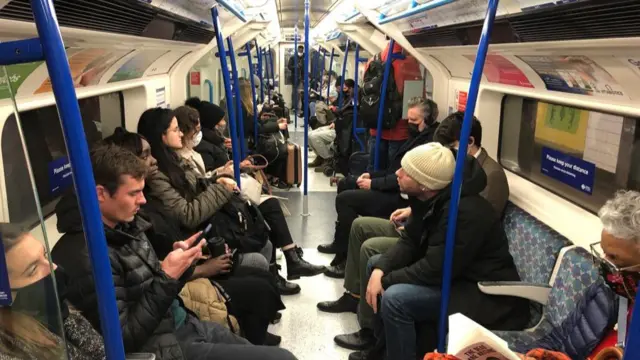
195,78
500,70
462,100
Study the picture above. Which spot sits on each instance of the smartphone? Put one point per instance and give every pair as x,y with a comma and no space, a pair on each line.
140,356
202,236
400,223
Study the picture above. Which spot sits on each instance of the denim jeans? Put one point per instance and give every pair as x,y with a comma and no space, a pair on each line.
401,307
388,150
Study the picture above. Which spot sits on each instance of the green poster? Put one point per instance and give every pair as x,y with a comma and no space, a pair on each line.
17,74
563,118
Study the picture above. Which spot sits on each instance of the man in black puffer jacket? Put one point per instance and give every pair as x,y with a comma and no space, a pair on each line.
151,315
377,194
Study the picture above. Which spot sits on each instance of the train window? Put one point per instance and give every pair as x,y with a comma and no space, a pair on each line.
48,154
581,155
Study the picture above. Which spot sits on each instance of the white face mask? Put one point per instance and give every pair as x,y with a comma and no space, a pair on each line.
197,138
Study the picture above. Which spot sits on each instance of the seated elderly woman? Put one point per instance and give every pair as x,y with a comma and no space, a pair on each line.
32,327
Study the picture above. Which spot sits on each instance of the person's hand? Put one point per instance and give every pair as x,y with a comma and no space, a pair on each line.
246,164
282,126
282,121
332,126
364,176
364,184
333,108
374,289
400,215
216,266
230,184
227,143
182,256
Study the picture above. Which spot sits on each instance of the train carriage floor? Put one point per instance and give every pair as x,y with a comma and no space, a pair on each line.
307,332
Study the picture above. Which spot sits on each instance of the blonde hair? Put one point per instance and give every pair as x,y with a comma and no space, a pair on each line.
246,96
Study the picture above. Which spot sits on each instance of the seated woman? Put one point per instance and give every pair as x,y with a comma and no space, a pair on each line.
30,328
244,284
270,208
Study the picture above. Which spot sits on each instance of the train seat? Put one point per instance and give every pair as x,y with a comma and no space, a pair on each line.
576,273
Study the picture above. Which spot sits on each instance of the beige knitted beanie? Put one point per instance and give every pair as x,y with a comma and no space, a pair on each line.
431,165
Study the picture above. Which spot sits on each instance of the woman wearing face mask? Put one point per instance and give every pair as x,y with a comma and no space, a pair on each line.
31,328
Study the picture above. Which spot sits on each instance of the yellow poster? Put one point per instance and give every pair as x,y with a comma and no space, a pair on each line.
562,127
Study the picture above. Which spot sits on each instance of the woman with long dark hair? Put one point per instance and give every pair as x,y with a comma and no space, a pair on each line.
32,327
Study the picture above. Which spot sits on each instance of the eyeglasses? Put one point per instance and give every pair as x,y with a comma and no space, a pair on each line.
600,258
618,281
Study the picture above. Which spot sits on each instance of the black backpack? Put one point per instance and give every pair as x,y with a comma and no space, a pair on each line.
241,224
372,92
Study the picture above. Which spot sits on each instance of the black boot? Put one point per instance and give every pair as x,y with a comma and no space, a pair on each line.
284,287
330,248
297,266
337,271
272,339
318,161
346,303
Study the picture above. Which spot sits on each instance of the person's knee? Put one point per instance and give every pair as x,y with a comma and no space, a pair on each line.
371,262
273,353
391,303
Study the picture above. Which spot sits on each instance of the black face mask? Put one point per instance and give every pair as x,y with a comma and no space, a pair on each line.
414,130
39,300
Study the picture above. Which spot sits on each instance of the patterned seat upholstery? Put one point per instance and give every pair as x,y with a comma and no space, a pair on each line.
577,272
533,245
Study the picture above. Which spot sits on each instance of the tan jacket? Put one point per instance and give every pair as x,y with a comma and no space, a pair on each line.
497,189
201,297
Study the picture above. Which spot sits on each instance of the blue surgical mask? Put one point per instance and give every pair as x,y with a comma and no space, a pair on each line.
197,138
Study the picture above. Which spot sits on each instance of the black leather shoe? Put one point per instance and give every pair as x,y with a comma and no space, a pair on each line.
272,339
362,339
297,266
284,287
365,355
327,248
346,303
276,318
337,271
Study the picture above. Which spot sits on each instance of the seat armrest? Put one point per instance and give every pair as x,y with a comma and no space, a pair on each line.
534,292
140,356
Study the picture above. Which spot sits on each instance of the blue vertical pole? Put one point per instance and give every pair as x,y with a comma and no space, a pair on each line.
266,70
235,151
383,91
239,113
344,72
324,64
295,76
355,100
208,82
632,345
474,87
306,96
78,150
330,69
259,60
253,93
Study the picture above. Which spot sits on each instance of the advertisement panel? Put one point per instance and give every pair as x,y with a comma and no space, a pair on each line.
498,69
135,67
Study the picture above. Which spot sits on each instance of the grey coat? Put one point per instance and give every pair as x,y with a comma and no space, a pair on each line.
191,213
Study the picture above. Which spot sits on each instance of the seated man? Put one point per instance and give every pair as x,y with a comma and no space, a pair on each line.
321,139
408,276
151,316
376,235
377,194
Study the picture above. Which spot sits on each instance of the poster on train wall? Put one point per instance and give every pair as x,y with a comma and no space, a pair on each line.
87,67
17,74
135,67
59,175
573,171
461,100
575,75
498,69
5,286
633,63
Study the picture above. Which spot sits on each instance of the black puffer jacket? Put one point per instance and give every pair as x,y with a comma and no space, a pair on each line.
144,293
387,180
481,253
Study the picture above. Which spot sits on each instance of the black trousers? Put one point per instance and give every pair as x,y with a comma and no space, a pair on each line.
350,204
255,300
280,235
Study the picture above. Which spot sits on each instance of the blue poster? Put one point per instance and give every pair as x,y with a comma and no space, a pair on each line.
5,286
59,175
575,172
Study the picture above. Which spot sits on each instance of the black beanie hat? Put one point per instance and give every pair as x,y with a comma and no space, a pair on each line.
210,114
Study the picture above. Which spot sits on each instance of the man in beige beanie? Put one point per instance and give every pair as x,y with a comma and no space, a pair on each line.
402,286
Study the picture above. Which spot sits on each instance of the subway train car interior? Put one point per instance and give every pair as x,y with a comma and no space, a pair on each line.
319,179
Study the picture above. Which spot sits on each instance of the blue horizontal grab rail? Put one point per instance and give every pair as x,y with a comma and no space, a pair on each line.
414,11
55,56
239,13
21,51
